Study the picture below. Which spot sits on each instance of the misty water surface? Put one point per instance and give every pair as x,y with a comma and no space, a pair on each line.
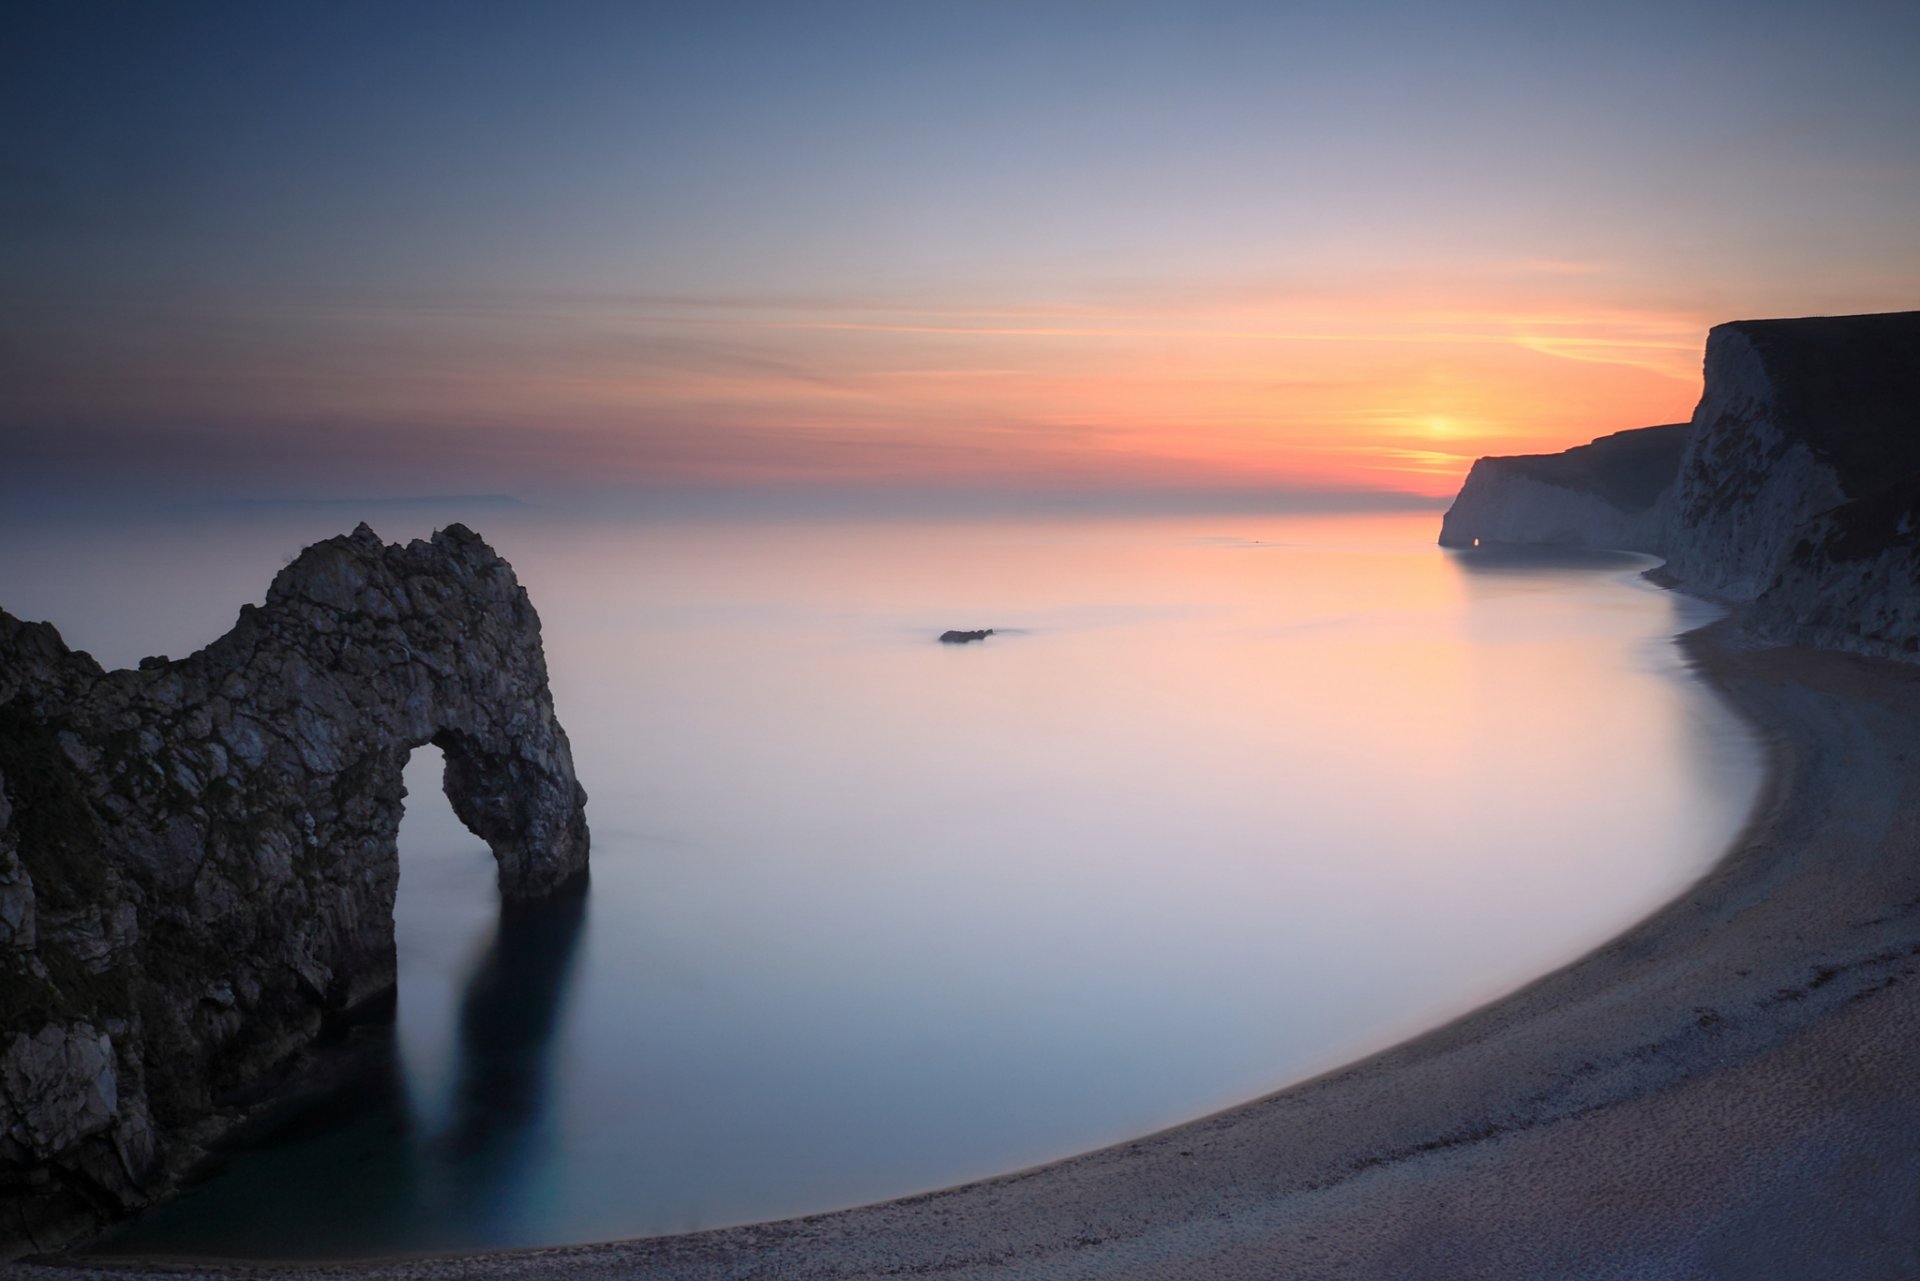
1226,802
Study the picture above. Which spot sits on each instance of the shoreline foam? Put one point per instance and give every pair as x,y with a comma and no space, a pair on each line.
1723,1090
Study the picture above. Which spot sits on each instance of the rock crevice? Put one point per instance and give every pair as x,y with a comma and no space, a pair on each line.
198,857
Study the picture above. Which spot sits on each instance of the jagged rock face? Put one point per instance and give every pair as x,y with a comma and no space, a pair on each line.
1797,491
198,858
1797,417
1613,493
1852,579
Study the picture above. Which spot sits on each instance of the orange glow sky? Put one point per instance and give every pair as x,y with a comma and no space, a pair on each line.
1044,247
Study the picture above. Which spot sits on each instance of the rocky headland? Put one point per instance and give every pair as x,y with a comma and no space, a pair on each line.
1793,494
198,859
1615,493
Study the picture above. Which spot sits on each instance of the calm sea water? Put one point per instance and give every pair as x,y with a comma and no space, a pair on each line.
1225,802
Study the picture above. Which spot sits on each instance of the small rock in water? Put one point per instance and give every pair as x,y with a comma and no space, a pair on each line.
961,638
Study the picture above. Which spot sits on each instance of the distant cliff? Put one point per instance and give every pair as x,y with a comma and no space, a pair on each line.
1615,492
198,859
1796,495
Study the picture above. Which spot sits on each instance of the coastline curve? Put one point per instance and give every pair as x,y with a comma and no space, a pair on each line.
1720,1090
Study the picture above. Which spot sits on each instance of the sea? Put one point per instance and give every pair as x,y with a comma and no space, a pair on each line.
1225,801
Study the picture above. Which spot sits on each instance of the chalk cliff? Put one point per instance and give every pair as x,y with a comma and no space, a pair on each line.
1797,417
1615,492
1851,580
1795,492
198,859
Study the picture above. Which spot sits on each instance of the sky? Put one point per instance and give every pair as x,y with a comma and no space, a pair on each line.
273,250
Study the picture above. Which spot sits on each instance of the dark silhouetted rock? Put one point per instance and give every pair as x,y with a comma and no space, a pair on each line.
198,860
961,638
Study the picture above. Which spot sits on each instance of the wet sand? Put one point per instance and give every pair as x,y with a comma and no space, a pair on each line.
1730,1089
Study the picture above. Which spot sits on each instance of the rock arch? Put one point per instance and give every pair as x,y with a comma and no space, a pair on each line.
198,858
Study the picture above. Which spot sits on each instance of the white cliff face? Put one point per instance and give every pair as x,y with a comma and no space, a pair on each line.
1745,484
1614,493
1852,581
1796,496
1872,607
1799,488
1497,505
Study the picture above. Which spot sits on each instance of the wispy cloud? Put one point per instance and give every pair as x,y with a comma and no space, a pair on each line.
1336,388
